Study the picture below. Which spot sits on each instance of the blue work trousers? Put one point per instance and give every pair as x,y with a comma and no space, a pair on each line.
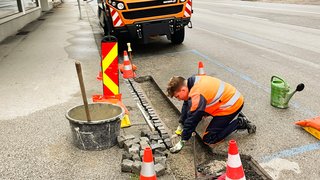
220,127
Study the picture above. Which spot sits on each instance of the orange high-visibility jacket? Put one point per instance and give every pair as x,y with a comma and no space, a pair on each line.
221,97
207,96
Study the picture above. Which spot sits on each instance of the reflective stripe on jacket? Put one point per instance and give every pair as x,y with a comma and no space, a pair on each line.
207,96
221,97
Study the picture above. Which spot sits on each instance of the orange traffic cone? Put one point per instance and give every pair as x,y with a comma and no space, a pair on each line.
201,69
222,177
234,165
126,58
127,67
147,168
121,66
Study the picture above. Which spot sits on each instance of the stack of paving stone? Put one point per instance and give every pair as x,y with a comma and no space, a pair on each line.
159,126
153,117
134,148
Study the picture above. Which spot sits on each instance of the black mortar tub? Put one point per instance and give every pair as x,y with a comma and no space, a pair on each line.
99,133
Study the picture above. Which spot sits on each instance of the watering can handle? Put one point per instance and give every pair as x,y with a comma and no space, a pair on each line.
277,78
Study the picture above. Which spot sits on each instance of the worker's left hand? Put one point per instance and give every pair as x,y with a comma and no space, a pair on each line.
179,130
176,148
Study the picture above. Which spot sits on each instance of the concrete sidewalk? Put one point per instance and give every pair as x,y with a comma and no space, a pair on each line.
38,86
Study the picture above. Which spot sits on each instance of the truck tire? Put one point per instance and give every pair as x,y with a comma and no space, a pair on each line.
178,36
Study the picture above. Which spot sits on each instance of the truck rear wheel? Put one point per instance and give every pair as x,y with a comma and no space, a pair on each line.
178,36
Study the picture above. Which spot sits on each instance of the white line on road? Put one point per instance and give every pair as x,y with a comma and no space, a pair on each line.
243,76
256,7
250,17
306,111
283,33
291,58
235,15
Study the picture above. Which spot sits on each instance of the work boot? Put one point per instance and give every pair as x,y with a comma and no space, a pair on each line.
244,123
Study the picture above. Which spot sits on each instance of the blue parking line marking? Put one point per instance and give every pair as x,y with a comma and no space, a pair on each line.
280,154
241,75
291,152
307,112
245,77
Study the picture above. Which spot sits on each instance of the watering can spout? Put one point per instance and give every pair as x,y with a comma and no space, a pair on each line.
280,92
299,88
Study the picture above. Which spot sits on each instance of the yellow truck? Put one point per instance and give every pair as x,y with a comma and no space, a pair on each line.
140,19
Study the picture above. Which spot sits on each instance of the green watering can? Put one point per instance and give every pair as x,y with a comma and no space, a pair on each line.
280,92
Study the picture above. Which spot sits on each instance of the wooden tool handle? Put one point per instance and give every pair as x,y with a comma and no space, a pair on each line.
194,155
83,91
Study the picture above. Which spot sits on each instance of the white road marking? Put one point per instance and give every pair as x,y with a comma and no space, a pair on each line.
281,29
256,7
250,17
275,166
291,58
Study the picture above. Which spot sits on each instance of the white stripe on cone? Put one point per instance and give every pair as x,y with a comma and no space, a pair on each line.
147,169
127,67
244,178
201,71
234,161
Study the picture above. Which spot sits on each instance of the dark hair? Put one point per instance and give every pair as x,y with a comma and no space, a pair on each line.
174,84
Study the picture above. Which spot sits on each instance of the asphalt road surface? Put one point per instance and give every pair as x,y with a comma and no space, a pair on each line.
243,43
246,43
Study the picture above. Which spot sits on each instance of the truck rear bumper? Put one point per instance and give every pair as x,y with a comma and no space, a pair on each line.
143,30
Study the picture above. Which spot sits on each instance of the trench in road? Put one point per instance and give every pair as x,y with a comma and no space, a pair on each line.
182,163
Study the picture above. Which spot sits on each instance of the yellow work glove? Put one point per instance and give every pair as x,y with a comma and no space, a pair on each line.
179,130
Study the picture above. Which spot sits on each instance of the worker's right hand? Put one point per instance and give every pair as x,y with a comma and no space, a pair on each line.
179,130
176,148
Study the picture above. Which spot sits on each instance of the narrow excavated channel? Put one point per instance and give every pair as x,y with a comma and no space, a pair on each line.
182,164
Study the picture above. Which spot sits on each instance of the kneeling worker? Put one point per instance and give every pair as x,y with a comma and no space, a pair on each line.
208,96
